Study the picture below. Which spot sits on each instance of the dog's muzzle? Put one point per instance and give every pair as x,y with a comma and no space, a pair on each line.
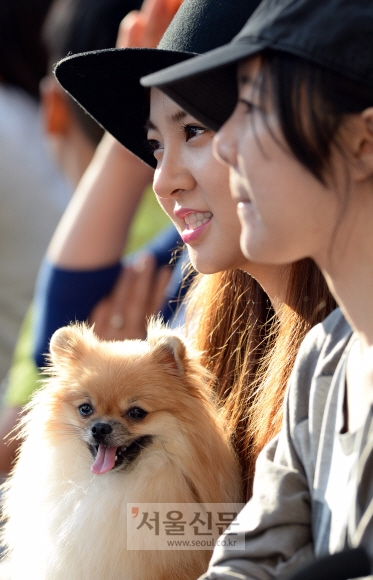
112,446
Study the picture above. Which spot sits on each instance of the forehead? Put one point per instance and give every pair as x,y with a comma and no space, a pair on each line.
164,110
112,378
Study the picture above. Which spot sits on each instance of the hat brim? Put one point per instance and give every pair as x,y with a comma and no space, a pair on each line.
106,83
206,86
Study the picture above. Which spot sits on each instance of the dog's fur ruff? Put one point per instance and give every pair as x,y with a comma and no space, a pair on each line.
64,522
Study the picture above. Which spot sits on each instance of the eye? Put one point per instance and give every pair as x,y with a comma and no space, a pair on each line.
250,107
85,409
154,145
191,131
136,414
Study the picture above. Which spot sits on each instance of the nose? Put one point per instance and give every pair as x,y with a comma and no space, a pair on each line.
100,430
225,142
172,175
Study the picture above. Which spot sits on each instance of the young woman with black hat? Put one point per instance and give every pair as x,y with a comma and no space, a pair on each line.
238,327
300,149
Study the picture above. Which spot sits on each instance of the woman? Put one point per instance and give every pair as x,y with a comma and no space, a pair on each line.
300,149
192,189
241,339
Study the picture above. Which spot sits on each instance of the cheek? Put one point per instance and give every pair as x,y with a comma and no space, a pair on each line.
167,205
223,205
227,218
201,163
265,173
213,179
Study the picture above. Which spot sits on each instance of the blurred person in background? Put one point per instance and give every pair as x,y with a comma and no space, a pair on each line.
33,193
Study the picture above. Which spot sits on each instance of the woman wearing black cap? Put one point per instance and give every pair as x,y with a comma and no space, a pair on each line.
300,149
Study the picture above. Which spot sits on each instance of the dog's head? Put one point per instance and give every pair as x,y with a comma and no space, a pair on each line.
119,397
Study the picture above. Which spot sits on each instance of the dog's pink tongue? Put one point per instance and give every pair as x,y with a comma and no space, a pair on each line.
105,460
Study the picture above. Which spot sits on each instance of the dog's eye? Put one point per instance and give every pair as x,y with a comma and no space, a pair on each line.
136,413
85,409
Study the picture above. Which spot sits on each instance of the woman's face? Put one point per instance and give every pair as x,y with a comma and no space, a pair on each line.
286,214
193,188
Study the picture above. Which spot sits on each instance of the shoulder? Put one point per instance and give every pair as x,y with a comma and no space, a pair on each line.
318,357
326,336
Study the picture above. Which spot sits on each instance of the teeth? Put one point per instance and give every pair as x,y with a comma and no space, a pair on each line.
195,220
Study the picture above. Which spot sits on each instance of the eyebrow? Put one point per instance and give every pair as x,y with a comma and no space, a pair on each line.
247,80
175,118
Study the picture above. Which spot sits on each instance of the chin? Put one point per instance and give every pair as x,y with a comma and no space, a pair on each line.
116,423
207,263
255,247
204,268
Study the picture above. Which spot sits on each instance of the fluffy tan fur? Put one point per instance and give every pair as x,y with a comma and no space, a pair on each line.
65,522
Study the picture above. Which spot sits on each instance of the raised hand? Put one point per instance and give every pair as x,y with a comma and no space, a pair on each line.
144,28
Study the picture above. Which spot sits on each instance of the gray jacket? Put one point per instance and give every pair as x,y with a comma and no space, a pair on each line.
307,478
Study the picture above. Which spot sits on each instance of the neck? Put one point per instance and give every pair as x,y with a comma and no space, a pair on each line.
348,267
273,280
353,291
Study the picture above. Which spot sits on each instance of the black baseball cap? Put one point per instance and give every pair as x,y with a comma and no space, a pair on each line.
335,34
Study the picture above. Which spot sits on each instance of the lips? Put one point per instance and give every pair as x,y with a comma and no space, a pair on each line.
241,196
240,188
195,222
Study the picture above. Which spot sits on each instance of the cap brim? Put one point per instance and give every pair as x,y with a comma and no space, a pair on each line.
206,86
106,83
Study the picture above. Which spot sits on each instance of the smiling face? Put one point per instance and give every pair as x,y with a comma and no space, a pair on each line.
286,214
193,188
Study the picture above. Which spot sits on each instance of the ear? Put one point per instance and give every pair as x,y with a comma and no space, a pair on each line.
167,347
67,345
170,352
55,108
360,137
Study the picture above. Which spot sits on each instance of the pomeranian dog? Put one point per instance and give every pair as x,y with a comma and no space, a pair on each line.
116,423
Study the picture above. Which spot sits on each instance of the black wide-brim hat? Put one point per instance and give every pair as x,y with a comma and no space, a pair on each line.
335,34
106,83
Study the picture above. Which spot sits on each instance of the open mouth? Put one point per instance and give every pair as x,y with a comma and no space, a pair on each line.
194,220
107,458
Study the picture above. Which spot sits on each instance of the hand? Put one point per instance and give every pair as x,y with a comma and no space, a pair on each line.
144,28
138,293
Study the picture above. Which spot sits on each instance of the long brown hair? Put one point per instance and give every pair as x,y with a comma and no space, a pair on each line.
251,350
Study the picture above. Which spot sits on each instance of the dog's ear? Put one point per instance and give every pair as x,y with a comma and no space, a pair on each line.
170,352
167,347
67,344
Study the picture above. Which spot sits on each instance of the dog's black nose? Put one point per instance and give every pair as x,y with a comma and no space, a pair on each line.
99,430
